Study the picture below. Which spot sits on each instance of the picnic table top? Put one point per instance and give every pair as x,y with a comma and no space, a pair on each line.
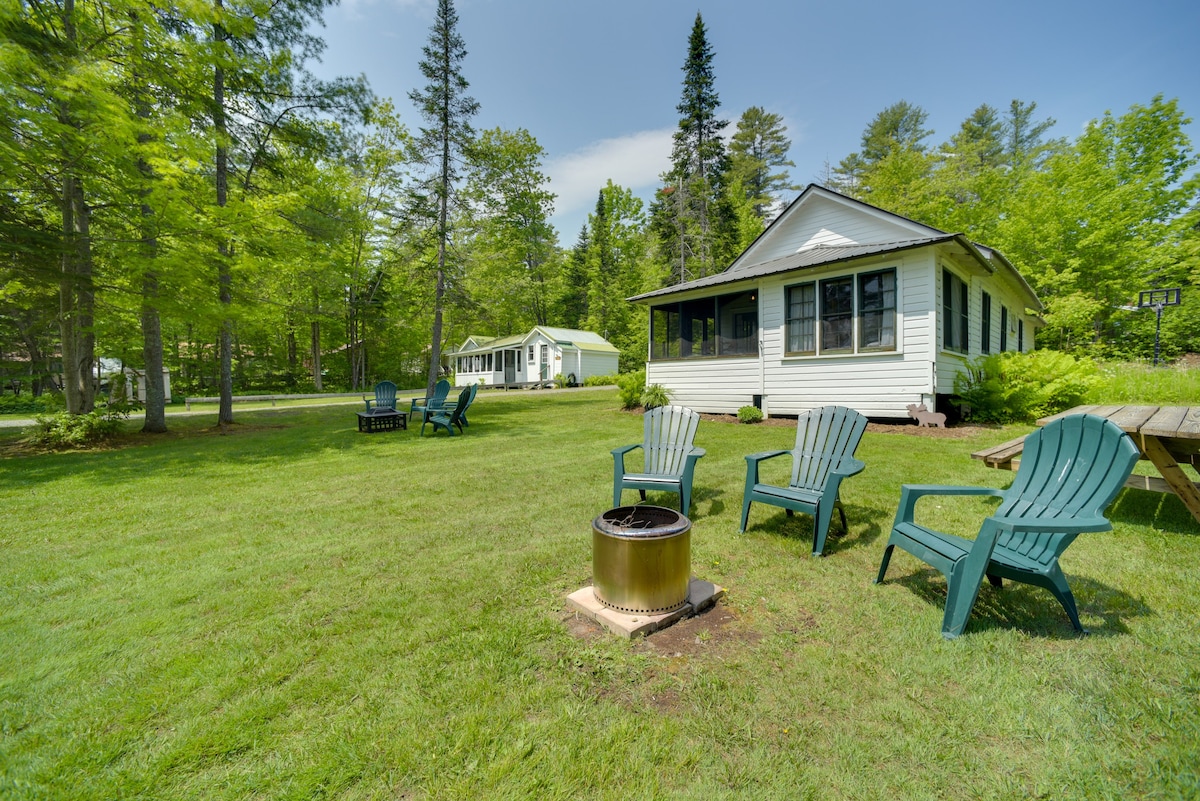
1171,422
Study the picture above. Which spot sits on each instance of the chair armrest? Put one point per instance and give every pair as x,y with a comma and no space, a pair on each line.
625,449
697,453
1053,525
848,466
758,457
911,493
752,462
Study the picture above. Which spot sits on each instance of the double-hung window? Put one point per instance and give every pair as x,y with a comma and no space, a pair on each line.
877,311
955,312
848,314
802,319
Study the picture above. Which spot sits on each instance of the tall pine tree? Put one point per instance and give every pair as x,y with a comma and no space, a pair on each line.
757,154
442,147
694,225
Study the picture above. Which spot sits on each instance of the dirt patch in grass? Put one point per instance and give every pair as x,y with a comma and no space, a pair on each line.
692,636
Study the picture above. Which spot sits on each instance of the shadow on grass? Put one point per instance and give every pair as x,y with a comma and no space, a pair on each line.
1160,510
799,526
268,439
1033,610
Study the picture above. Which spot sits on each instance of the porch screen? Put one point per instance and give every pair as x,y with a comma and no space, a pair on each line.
726,325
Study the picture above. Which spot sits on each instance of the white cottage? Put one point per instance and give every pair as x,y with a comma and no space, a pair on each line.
534,358
837,302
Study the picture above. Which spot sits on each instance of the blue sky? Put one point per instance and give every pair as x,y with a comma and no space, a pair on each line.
596,83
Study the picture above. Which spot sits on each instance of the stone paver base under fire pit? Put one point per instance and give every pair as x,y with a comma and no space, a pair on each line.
701,595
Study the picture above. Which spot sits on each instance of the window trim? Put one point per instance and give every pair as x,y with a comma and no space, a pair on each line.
788,320
951,315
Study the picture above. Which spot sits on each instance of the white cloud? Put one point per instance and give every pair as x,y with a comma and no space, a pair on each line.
633,162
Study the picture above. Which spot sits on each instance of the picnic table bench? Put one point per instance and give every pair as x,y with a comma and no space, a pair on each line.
1166,436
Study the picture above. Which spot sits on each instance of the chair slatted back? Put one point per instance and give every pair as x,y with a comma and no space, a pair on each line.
823,437
464,399
440,390
385,395
1073,467
669,431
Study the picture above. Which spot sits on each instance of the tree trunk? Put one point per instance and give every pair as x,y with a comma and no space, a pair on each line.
77,302
152,357
318,383
224,253
76,294
152,345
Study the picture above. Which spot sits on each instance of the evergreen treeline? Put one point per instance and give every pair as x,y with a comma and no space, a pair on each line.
179,191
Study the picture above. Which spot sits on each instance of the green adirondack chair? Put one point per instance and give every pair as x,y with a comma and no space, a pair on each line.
435,402
474,391
446,417
826,439
385,396
669,456
1070,472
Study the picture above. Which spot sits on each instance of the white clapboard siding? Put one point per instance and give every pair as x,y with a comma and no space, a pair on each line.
717,386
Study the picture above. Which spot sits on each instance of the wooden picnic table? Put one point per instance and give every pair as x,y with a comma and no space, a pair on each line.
1167,436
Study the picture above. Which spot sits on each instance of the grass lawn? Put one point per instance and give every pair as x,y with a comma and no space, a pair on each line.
297,610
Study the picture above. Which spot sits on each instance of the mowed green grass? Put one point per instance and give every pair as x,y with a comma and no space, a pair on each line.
297,610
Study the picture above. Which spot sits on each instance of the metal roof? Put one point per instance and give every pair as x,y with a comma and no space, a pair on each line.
810,257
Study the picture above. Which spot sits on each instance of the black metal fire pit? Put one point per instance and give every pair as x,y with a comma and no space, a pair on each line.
641,559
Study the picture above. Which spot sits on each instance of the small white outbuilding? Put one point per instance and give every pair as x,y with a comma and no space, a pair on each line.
535,358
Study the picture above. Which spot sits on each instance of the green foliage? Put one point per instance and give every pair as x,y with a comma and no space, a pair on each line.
65,430
1022,387
760,146
749,414
631,386
30,404
1140,383
655,395
600,380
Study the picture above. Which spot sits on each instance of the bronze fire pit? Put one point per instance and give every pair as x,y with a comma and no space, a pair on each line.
641,559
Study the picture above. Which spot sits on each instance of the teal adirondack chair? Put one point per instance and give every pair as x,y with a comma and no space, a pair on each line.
435,402
474,391
669,455
826,439
385,396
447,417
1070,472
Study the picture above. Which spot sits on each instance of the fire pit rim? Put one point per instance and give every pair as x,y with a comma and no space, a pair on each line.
618,522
